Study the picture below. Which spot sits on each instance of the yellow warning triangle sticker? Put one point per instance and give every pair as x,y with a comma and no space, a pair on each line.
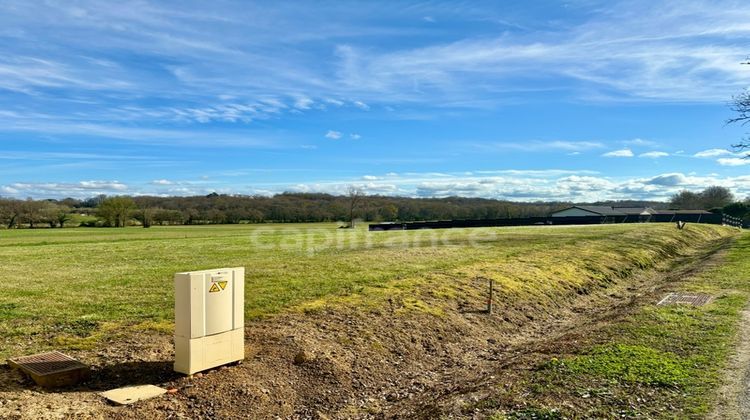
223,285
214,288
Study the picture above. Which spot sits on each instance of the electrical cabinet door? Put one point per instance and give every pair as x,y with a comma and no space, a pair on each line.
219,295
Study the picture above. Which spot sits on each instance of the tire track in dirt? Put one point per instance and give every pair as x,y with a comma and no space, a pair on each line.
536,342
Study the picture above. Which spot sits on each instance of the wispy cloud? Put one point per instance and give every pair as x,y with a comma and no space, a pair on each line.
149,135
515,185
638,142
619,153
303,103
735,161
66,189
138,77
201,58
542,145
663,53
725,157
333,135
653,155
361,105
712,153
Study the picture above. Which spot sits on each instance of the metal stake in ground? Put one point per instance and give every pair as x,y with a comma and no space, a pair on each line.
489,301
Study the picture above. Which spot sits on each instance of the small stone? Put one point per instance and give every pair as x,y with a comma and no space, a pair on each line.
303,357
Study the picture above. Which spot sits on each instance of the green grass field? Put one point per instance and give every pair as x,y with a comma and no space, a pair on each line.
73,281
660,362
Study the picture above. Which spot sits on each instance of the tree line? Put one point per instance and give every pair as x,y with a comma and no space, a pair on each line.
714,198
215,208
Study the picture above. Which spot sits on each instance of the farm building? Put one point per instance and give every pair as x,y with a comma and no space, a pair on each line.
575,215
578,211
644,214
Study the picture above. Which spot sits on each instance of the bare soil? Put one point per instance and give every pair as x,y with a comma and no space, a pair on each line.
342,362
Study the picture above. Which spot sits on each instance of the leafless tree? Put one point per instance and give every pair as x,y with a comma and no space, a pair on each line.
10,212
355,197
716,197
33,212
710,198
741,107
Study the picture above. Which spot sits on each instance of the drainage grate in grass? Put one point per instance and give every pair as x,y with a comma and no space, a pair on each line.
682,298
51,369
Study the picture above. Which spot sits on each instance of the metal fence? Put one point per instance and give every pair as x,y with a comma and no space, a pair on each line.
714,219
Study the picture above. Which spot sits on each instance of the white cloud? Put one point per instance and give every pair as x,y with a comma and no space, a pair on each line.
162,182
582,184
626,51
361,105
641,142
660,53
333,135
729,159
515,185
303,102
355,136
548,185
619,153
332,101
96,185
64,189
734,161
712,153
150,136
542,145
667,180
653,155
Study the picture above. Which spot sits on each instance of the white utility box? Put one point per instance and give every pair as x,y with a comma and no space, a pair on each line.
209,308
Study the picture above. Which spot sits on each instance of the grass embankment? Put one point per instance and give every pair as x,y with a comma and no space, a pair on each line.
661,362
68,287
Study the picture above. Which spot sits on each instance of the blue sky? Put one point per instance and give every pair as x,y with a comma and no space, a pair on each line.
577,100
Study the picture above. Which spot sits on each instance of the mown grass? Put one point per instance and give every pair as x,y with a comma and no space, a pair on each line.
76,284
661,362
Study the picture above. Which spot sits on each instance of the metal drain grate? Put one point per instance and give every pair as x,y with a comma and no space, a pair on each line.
51,369
681,298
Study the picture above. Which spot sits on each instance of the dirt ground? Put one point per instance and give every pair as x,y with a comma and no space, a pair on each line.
381,363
